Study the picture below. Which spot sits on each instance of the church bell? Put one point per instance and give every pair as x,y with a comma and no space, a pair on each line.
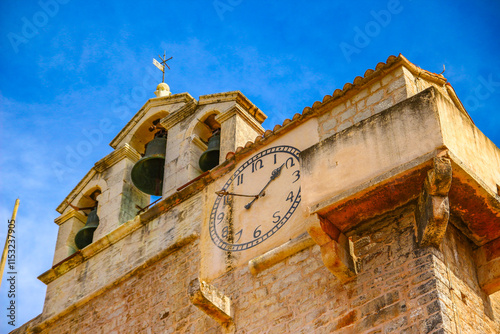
147,173
84,237
210,158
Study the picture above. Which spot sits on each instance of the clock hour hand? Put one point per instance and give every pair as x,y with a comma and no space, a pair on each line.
274,175
224,193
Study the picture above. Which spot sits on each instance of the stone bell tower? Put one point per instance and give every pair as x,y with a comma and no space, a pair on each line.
187,124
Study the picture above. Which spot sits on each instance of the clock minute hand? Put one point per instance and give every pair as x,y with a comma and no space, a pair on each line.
274,175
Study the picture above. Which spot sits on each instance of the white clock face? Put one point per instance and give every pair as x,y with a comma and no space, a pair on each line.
257,200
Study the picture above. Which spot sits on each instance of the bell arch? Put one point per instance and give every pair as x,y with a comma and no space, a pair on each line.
199,132
88,204
143,133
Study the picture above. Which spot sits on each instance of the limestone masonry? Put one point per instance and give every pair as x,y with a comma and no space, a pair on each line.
376,210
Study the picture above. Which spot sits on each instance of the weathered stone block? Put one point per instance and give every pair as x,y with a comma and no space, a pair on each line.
433,214
208,299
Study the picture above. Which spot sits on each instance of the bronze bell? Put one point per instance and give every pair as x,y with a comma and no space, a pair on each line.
84,237
147,173
210,158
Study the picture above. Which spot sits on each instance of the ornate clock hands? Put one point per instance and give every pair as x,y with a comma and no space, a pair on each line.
274,175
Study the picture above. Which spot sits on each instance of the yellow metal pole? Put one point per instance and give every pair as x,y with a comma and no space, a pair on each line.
9,237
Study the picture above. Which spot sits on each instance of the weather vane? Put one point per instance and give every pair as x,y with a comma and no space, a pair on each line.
161,66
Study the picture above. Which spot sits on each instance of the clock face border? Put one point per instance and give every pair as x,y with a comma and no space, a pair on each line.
216,239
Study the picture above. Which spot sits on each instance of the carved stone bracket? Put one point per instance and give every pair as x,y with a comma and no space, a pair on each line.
211,301
335,247
433,209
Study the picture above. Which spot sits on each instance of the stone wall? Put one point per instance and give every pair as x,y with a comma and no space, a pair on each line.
400,288
467,308
379,95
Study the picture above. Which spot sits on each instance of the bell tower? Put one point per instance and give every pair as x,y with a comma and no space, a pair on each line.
170,141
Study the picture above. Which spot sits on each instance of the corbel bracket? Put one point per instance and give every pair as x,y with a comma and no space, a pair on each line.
211,301
433,209
335,247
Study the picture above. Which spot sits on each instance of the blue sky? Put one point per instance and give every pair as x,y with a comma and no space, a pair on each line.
66,65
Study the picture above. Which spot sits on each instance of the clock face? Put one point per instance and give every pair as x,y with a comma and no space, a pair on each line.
257,200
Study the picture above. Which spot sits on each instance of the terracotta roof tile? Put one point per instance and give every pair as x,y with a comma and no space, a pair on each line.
347,86
368,72
357,80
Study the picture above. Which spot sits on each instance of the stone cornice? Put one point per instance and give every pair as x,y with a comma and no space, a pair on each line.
154,102
68,215
114,157
186,110
239,98
237,110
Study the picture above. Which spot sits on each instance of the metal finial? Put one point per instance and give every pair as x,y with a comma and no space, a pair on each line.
161,65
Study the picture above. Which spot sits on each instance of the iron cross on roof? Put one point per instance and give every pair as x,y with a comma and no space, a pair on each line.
161,65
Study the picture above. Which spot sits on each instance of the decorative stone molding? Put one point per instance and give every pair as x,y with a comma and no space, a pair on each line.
126,151
335,247
68,215
211,301
196,140
237,110
186,110
433,209
280,253
239,98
